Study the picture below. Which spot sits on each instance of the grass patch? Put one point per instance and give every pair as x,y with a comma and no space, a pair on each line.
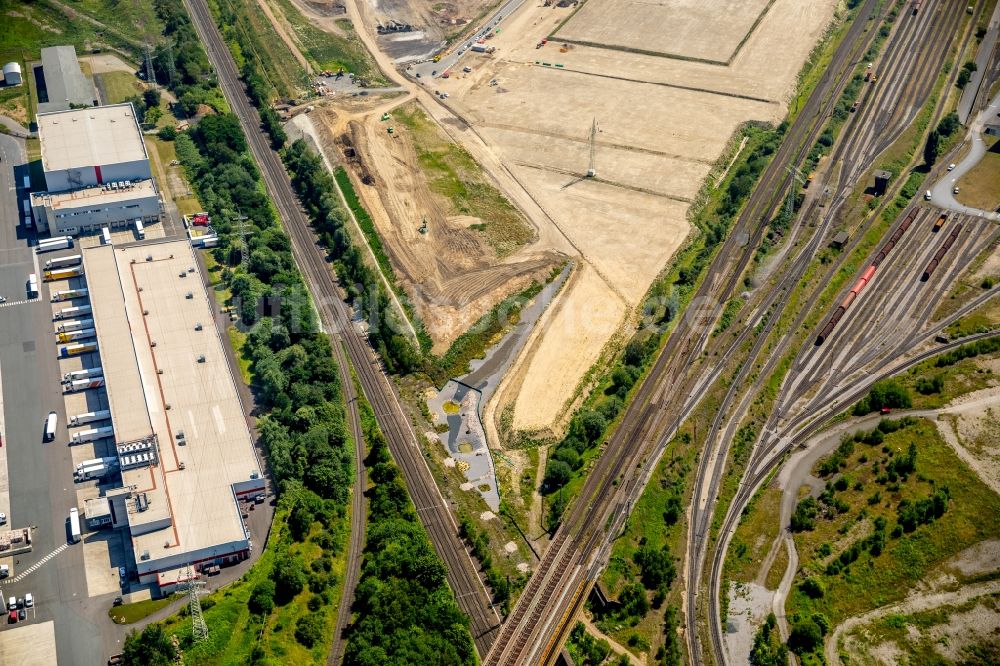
754,535
964,377
980,186
326,50
455,175
251,36
869,493
129,613
119,86
238,339
366,224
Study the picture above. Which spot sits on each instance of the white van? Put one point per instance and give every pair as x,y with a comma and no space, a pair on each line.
50,427
927,195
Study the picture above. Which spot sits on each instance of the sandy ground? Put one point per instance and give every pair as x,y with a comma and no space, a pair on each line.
663,122
613,23
570,337
102,63
887,654
972,428
450,273
749,604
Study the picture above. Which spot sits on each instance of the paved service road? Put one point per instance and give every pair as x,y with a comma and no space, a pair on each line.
41,486
431,69
986,47
942,192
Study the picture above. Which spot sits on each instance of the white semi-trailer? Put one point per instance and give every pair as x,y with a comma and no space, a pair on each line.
63,243
92,435
70,313
82,374
74,325
90,417
98,468
60,262
70,294
78,385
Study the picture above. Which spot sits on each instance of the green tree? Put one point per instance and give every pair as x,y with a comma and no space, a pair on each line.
557,475
309,629
931,147
151,647
805,636
289,577
767,651
261,600
656,566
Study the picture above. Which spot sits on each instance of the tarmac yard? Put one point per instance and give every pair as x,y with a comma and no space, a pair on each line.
666,103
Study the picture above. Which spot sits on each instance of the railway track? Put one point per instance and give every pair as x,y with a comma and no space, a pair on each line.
885,114
434,512
653,417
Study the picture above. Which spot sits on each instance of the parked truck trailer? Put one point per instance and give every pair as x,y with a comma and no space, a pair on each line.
90,417
78,348
92,435
82,334
70,294
67,325
53,244
82,374
64,273
70,313
62,262
78,385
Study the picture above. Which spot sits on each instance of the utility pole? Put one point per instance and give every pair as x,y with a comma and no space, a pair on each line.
592,168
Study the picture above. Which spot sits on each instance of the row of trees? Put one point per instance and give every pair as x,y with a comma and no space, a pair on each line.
405,613
180,63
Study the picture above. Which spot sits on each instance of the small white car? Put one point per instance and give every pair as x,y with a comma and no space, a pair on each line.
3,518
4,570
950,167
927,195
29,600
955,191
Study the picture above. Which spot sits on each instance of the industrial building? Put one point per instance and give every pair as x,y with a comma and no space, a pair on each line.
63,84
97,171
12,74
182,442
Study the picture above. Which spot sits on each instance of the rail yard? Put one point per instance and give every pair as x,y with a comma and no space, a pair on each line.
573,149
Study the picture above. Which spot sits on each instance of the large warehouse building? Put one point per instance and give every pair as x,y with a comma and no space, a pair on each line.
185,450
97,171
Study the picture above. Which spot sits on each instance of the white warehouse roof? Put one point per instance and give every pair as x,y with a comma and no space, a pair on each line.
90,137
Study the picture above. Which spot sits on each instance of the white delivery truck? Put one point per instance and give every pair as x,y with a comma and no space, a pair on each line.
70,294
139,230
74,525
50,427
78,385
106,236
32,286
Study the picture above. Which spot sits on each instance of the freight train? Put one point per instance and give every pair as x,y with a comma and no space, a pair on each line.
948,242
866,277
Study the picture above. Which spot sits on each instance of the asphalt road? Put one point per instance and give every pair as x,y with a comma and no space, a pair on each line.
430,69
433,510
942,192
41,487
982,60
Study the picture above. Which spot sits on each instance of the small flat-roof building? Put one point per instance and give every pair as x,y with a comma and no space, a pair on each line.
65,84
184,447
12,74
96,169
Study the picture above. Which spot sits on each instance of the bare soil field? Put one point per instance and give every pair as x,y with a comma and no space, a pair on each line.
462,264
672,28
662,124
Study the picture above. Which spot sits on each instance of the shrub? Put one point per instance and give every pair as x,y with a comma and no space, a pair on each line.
309,629
812,587
261,600
805,636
